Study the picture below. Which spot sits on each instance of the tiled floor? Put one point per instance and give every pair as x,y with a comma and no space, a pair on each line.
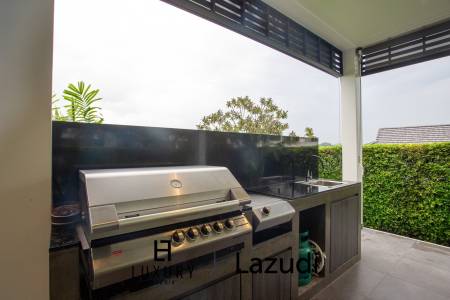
392,268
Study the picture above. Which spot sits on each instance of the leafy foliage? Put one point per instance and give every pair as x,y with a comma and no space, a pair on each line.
80,107
406,188
309,132
81,103
243,115
56,110
331,166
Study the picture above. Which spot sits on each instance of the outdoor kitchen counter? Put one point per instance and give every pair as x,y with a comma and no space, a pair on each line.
332,217
64,263
325,195
63,237
333,220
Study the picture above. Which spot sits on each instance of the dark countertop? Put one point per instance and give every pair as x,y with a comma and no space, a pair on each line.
295,190
63,237
345,190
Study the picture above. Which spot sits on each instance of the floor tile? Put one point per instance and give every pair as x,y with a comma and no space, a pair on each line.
393,268
358,280
331,293
438,257
372,239
391,288
424,275
378,259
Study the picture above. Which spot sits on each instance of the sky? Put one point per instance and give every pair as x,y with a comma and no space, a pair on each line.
408,96
156,65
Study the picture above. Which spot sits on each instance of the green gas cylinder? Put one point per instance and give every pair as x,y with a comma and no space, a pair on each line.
306,260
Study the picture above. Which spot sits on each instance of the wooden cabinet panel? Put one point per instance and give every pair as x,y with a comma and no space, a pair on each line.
64,274
344,231
273,286
227,289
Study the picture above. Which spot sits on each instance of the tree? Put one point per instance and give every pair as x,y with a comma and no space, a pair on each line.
244,115
309,133
80,107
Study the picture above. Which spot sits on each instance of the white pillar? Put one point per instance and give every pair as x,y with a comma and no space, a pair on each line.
26,42
351,133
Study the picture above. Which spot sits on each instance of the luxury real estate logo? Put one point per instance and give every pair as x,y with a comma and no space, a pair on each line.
160,273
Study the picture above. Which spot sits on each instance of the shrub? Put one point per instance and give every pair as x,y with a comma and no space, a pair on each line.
331,162
406,188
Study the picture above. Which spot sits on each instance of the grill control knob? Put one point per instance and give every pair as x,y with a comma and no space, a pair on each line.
265,211
192,233
229,224
218,227
206,229
178,237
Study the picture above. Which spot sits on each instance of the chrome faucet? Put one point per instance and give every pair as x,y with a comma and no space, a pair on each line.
308,175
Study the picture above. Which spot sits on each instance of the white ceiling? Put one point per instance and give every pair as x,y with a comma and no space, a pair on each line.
357,23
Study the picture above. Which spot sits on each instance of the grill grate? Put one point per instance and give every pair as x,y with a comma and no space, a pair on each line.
426,44
259,21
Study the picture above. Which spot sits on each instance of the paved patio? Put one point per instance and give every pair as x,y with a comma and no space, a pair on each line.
394,267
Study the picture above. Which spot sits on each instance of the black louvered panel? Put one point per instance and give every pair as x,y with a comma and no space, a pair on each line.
257,20
325,54
205,3
337,62
278,27
426,44
228,9
312,46
297,37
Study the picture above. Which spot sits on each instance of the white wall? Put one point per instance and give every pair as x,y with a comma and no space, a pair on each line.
351,133
26,33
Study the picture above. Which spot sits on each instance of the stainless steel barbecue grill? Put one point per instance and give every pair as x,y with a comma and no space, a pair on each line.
197,208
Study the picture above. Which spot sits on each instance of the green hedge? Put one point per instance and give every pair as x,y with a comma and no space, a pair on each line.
331,162
406,188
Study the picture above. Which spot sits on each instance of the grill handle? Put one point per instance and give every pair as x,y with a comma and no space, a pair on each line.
180,215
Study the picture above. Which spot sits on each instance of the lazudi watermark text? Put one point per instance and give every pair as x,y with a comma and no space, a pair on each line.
273,265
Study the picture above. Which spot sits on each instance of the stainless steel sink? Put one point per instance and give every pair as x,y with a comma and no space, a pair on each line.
320,182
324,182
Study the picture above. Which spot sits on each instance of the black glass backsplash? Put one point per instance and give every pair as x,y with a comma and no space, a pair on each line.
254,159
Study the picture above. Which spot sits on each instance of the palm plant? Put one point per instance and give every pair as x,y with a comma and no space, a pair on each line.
81,103
309,132
56,112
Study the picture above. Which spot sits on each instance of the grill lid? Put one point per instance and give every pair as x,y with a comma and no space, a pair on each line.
124,200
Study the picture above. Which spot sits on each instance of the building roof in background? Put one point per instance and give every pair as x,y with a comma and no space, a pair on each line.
414,134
